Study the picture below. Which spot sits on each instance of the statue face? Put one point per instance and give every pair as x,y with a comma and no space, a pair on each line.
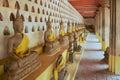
18,28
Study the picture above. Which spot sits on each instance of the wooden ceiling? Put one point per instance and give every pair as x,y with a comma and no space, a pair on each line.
87,8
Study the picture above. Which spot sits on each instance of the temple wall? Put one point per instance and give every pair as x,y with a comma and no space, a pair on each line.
35,14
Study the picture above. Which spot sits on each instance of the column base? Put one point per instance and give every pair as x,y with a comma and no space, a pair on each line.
114,64
117,66
1,69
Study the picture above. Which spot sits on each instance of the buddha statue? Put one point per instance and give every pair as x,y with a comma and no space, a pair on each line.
71,52
63,39
77,46
60,69
52,45
70,34
23,60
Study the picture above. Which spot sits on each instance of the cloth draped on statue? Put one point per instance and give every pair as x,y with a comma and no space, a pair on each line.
62,33
22,47
59,68
51,37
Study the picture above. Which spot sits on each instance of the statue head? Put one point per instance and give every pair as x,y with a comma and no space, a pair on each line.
18,23
49,26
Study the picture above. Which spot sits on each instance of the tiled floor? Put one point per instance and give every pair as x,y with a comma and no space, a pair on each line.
92,67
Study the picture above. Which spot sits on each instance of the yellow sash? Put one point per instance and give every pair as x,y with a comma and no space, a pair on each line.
22,47
51,37
62,33
59,68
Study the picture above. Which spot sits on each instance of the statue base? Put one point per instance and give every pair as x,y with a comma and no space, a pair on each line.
20,68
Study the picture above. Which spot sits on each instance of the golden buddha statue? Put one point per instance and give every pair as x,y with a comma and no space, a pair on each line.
23,61
63,39
52,45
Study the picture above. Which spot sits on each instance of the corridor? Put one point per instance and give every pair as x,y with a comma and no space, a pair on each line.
92,66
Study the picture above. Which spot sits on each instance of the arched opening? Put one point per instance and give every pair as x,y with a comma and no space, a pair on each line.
43,11
12,17
47,13
36,20
41,2
38,10
33,10
35,1
45,4
26,29
48,5
33,29
29,19
38,28
22,17
43,28
40,19
17,6
26,7
6,31
5,3
1,17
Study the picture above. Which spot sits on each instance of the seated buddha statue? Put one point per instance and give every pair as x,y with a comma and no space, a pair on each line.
63,39
77,46
52,45
70,34
23,61
60,69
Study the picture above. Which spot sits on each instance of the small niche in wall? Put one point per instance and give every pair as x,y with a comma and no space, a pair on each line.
38,10
26,7
22,17
35,1
40,19
29,19
41,2
1,17
43,11
36,20
17,6
43,28
12,17
33,29
48,5
38,28
5,3
6,31
26,29
33,10
45,4
47,13
45,19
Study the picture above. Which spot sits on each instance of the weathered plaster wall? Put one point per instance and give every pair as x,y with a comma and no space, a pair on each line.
35,14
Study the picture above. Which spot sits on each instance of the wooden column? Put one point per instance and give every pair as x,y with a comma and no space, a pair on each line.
114,56
105,24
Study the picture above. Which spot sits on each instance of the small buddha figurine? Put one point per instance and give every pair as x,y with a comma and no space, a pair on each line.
52,45
60,69
63,39
23,61
70,34
71,53
77,47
